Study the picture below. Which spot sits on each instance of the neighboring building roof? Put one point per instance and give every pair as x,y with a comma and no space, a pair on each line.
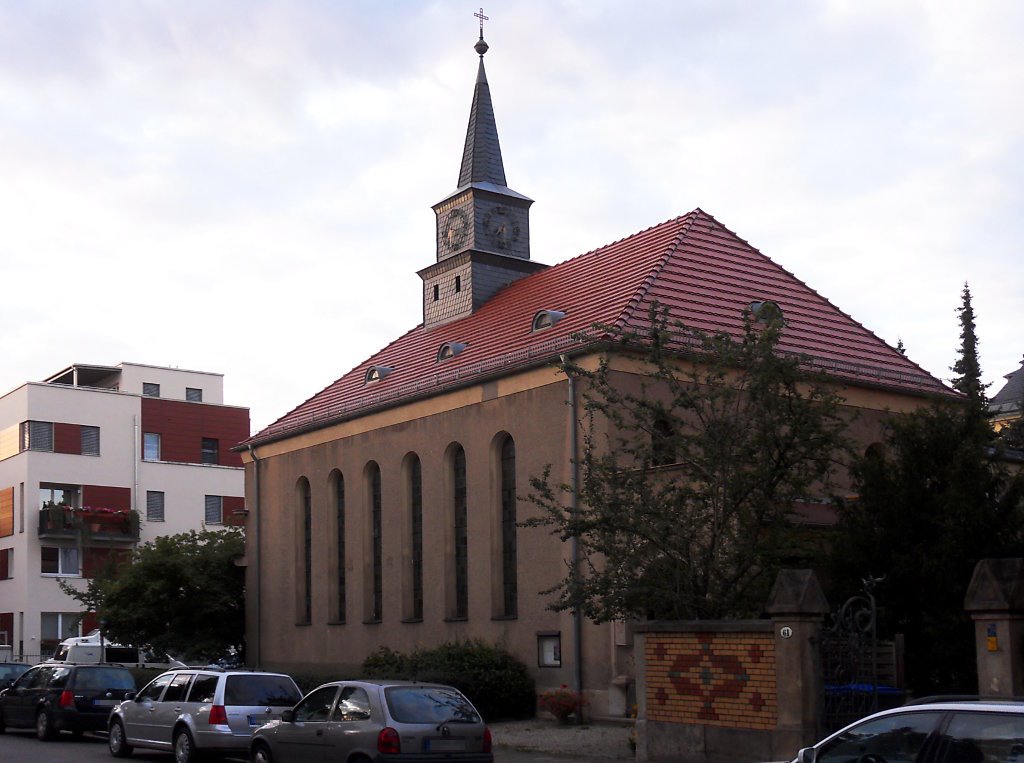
1010,397
705,274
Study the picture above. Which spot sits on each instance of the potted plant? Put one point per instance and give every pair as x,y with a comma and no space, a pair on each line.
562,703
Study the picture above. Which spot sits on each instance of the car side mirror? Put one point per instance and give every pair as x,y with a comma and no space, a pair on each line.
806,755
131,695
288,716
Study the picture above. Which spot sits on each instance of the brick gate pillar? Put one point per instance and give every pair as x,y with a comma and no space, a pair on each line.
995,601
797,607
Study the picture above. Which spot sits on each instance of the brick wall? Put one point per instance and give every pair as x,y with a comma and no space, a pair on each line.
717,679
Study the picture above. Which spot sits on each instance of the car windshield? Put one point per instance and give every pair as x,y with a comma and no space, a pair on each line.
97,679
429,704
261,690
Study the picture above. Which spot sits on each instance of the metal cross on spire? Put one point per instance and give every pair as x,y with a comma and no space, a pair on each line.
482,18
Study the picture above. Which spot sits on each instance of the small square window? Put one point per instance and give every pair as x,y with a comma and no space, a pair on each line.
210,451
90,441
549,650
214,510
149,389
193,394
150,446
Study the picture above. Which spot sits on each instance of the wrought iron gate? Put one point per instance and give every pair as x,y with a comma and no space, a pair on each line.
849,660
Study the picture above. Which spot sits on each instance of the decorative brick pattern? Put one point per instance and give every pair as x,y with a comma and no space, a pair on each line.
714,679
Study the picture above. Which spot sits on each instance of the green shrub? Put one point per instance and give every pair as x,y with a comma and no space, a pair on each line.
496,682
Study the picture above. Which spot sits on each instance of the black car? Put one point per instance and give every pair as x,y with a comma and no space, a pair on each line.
59,697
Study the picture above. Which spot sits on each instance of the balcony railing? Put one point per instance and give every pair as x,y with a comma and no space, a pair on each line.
112,525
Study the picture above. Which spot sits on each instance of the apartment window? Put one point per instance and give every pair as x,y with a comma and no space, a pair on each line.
214,510
6,563
416,523
37,435
210,451
54,627
149,389
150,446
460,536
508,528
59,560
90,441
65,494
193,394
154,505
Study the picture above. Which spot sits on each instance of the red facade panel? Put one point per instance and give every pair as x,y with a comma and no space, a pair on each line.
67,438
106,497
90,622
234,510
95,558
182,427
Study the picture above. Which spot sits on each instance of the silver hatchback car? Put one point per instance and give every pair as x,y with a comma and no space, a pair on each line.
380,721
192,711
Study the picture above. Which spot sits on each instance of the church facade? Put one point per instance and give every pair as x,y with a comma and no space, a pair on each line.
385,509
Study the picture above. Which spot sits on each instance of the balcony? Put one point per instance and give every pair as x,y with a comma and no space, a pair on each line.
91,524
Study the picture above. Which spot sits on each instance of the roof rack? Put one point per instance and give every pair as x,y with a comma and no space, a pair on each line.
947,698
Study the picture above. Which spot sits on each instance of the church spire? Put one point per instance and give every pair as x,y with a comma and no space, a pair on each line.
481,158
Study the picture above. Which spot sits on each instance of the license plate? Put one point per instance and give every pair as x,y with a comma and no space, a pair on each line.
446,745
104,702
259,720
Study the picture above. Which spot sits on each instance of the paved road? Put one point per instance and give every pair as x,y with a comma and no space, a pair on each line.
23,747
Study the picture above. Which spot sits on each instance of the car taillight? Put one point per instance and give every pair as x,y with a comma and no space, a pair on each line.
218,715
388,742
487,739
67,700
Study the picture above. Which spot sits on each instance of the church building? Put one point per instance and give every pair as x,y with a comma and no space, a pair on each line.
385,509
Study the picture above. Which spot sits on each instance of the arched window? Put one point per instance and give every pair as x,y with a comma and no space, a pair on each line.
416,539
509,576
662,442
460,533
376,543
338,599
304,578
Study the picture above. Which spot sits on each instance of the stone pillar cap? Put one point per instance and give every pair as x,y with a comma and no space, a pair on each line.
997,585
797,592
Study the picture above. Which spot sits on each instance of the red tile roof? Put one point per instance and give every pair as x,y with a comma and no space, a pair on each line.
705,274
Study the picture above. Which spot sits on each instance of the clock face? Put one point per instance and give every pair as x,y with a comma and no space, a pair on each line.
456,229
501,227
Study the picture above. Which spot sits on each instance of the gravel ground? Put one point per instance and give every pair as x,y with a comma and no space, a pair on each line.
596,741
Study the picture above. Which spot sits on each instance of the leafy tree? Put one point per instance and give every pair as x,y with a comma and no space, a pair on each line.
690,469
180,594
931,503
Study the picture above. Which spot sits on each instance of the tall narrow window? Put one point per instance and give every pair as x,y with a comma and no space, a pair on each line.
150,446
509,581
416,526
662,442
339,539
214,510
154,505
305,598
377,543
460,535
210,450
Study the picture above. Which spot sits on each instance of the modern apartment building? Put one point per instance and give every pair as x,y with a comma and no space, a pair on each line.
93,461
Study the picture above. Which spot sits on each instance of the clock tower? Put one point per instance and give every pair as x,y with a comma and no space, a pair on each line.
483,226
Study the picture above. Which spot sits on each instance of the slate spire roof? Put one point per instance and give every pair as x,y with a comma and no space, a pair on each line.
1010,397
706,276
481,158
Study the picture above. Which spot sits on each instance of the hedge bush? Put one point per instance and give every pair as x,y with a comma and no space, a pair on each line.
496,682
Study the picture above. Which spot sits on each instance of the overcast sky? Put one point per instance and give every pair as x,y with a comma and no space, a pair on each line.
245,187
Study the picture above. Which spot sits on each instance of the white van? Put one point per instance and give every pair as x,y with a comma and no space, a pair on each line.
94,648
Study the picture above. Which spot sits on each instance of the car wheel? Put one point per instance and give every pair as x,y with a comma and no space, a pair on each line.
117,741
3,726
44,727
261,754
184,747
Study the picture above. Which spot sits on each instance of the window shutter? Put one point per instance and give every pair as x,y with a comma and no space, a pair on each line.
214,510
38,435
155,505
90,441
193,395
150,389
